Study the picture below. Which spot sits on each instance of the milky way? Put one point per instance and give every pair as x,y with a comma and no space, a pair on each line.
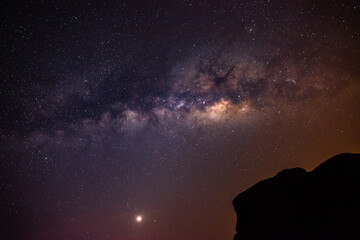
166,110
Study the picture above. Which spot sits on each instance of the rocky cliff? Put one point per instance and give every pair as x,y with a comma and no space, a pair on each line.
295,204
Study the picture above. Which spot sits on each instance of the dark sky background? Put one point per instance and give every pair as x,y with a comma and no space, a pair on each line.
165,109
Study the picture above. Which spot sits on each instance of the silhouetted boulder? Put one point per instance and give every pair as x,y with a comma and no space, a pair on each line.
295,204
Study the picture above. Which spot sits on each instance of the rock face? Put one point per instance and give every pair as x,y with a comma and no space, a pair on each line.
295,204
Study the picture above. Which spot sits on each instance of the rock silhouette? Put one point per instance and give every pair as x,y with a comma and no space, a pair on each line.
295,204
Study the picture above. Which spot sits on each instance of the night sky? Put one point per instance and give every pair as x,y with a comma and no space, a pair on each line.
165,110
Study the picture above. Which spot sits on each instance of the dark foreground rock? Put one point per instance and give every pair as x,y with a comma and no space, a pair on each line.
295,204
